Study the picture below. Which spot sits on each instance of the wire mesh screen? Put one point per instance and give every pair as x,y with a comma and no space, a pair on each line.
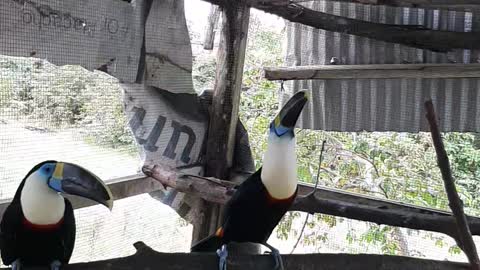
390,165
382,104
67,72
62,113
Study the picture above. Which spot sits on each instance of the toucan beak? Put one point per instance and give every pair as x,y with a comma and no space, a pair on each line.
72,179
288,115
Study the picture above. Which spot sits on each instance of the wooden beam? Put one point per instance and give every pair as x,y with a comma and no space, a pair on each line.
213,17
326,201
121,188
224,108
409,35
386,71
147,258
455,5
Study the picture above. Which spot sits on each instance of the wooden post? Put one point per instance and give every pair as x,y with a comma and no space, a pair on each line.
213,17
225,106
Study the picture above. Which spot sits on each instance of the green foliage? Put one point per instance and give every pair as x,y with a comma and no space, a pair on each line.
67,97
5,92
203,72
396,166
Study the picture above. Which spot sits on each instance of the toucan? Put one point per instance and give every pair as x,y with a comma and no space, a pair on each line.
259,203
38,227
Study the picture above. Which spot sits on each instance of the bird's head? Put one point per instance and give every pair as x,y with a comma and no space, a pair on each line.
284,122
72,179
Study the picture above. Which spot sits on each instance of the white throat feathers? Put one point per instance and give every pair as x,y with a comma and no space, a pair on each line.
279,168
40,204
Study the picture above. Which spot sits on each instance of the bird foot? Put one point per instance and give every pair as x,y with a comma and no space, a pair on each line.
276,255
222,254
55,265
16,265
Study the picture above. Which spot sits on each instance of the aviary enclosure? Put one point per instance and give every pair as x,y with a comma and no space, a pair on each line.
76,76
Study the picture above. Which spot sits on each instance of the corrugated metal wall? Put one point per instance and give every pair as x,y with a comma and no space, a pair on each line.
381,104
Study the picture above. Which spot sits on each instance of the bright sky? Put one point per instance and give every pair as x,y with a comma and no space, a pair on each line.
197,12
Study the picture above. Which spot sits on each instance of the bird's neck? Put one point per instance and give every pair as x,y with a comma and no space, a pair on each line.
279,168
40,204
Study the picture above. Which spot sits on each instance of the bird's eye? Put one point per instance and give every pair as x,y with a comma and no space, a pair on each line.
47,169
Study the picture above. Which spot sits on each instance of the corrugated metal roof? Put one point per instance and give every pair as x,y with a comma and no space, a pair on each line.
381,104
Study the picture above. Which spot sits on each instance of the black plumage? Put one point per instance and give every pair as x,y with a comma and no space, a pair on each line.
249,216
32,244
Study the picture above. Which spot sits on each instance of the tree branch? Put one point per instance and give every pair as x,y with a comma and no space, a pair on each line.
455,203
410,35
147,258
456,5
331,202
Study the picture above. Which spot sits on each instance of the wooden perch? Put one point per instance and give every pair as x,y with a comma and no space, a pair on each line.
455,203
147,258
387,71
326,201
121,188
410,35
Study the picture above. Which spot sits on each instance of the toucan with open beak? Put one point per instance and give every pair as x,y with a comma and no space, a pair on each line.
260,202
38,227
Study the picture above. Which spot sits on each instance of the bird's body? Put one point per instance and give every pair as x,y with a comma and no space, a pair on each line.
252,218
38,227
36,244
261,201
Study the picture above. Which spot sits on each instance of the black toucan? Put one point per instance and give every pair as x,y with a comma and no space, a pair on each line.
260,202
38,227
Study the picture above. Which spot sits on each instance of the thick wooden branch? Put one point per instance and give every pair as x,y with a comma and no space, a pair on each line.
147,258
456,5
328,201
414,36
455,203
389,71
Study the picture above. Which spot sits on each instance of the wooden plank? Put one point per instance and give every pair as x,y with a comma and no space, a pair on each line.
410,35
386,71
147,258
121,188
213,17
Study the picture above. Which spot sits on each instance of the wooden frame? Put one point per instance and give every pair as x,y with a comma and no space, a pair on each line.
386,71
